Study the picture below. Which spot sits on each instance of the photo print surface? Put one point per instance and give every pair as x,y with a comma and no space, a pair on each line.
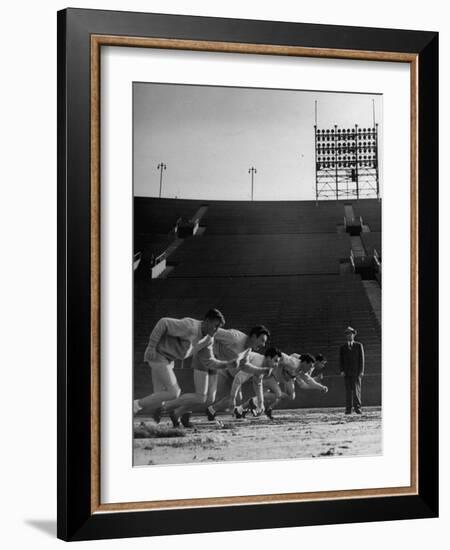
257,274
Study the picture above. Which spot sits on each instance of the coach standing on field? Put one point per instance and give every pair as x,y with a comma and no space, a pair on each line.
352,368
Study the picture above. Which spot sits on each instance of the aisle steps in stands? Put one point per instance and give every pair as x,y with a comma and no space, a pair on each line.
373,292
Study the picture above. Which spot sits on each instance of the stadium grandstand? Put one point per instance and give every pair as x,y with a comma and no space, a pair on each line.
305,269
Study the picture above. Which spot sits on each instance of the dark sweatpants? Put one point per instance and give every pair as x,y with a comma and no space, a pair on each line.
352,393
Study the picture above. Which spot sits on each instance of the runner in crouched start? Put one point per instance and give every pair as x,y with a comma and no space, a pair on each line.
261,380
291,370
205,368
310,377
234,345
173,339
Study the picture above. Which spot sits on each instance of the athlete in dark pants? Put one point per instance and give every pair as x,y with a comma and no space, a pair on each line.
351,360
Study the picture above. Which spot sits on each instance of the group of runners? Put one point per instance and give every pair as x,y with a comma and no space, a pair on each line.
223,360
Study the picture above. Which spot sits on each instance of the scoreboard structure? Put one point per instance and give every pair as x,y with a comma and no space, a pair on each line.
346,162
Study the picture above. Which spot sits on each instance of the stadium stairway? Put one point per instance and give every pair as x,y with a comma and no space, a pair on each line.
276,263
373,292
357,247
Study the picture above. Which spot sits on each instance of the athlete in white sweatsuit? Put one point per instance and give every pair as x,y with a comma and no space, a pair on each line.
290,370
234,345
205,367
173,339
261,380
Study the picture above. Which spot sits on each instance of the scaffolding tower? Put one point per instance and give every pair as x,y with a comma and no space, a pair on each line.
346,162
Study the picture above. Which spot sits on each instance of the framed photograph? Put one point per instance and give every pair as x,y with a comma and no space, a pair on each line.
247,255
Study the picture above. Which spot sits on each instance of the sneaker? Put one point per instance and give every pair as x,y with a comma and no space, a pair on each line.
237,413
157,415
252,407
185,420
358,411
348,412
210,415
175,420
268,413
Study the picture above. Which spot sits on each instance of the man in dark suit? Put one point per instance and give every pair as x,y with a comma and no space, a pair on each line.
351,362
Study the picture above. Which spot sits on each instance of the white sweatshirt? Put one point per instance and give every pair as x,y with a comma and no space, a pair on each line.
175,339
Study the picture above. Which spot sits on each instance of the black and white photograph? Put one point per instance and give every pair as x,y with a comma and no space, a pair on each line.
198,201
257,274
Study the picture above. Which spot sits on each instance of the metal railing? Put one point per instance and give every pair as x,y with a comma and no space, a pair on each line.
155,260
352,221
137,260
352,260
377,257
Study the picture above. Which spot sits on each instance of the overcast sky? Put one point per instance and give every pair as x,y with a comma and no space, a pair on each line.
210,136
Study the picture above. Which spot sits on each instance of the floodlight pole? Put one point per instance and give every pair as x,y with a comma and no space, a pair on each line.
161,166
315,150
377,175
336,161
252,171
356,162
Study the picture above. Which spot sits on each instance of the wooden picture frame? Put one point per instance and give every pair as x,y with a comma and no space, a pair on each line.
81,35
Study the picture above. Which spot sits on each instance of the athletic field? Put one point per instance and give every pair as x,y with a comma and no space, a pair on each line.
294,433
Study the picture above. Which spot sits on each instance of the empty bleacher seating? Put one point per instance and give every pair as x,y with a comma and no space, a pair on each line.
151,244
371,241
370,211
160,215
227,218
245,255
275,263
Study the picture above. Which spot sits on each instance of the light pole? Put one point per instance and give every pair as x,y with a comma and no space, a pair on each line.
161,166
252,171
